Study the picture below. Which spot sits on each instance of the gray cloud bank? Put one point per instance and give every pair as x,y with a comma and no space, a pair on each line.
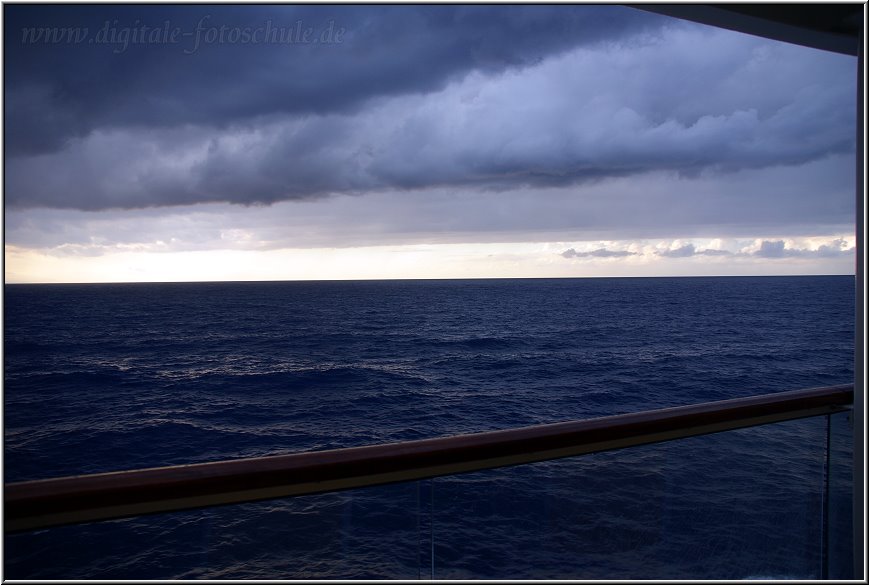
421,97
597,253
689,250
836,248
776,249
744,204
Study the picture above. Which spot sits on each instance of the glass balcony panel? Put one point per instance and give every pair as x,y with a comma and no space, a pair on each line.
734,505
840,519
751,503
366,533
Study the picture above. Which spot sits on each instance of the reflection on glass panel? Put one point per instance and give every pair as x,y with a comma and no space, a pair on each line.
734,505
365,533
841,482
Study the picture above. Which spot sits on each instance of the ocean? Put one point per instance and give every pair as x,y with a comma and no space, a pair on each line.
104,377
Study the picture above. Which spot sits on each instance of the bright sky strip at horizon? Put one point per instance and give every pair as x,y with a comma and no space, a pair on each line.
420,142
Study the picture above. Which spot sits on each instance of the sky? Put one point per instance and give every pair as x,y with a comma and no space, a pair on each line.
273,142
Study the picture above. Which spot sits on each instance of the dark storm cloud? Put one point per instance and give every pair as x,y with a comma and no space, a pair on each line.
479,98
93,74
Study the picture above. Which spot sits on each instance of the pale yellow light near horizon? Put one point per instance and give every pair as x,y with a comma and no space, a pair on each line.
287,264
376,262
485,260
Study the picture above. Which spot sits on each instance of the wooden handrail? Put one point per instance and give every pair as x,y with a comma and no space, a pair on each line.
52,502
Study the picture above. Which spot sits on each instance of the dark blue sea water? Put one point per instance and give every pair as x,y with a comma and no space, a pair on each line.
122,376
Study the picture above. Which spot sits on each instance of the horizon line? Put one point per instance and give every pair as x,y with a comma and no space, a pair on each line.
5,283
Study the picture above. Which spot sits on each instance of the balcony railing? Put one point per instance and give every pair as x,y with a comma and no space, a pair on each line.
44,503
